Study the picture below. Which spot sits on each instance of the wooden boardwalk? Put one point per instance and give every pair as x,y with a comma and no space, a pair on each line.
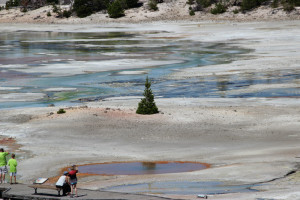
22,191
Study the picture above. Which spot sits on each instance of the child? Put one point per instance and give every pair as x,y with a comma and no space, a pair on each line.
12,163
73,179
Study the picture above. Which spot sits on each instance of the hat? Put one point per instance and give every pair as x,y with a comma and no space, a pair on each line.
65,172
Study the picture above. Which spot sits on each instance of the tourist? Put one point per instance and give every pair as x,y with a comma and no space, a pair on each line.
12,163
73,179
63,183
3,168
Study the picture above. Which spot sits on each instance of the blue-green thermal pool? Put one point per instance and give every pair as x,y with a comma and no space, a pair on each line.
42,68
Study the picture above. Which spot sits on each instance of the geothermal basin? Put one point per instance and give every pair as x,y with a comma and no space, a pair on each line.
162,187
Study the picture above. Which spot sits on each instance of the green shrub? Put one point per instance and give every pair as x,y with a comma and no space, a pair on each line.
201,4
218,9
288,7
84,12
131,3
274,4
250,4
123,4
16,3
293,2
66,13
236,11
52,1
56,9
99,5
190,2
204,3
192,12
60,14
115,9
147,105
83,8
12,3
7,5
61,111
152,5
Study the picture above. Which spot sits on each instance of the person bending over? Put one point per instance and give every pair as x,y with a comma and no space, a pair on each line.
63,183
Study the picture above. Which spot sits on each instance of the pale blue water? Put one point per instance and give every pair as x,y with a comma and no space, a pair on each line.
164,187
30,50
182,188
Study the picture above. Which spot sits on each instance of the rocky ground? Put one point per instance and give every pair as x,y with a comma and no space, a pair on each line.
246,141
174,10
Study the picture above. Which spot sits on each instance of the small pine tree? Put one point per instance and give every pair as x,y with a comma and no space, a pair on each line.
250,4
153,5
115,9
275,3
204,3
61,111
218,9
83,8
147,105
192,12
132,3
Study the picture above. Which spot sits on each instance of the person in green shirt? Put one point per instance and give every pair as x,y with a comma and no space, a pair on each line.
12,163
3,168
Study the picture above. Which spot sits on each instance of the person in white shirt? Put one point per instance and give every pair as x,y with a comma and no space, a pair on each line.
63,182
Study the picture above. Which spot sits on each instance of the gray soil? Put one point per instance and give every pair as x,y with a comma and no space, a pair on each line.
247,140
249,143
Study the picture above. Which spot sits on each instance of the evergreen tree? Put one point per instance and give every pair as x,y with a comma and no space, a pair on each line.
84,8
115,9
52,1
147,105
132,3
250,4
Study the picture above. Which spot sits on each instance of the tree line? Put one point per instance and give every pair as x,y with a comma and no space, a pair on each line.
116,8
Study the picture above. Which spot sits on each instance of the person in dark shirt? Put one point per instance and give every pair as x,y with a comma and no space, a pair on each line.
73,179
